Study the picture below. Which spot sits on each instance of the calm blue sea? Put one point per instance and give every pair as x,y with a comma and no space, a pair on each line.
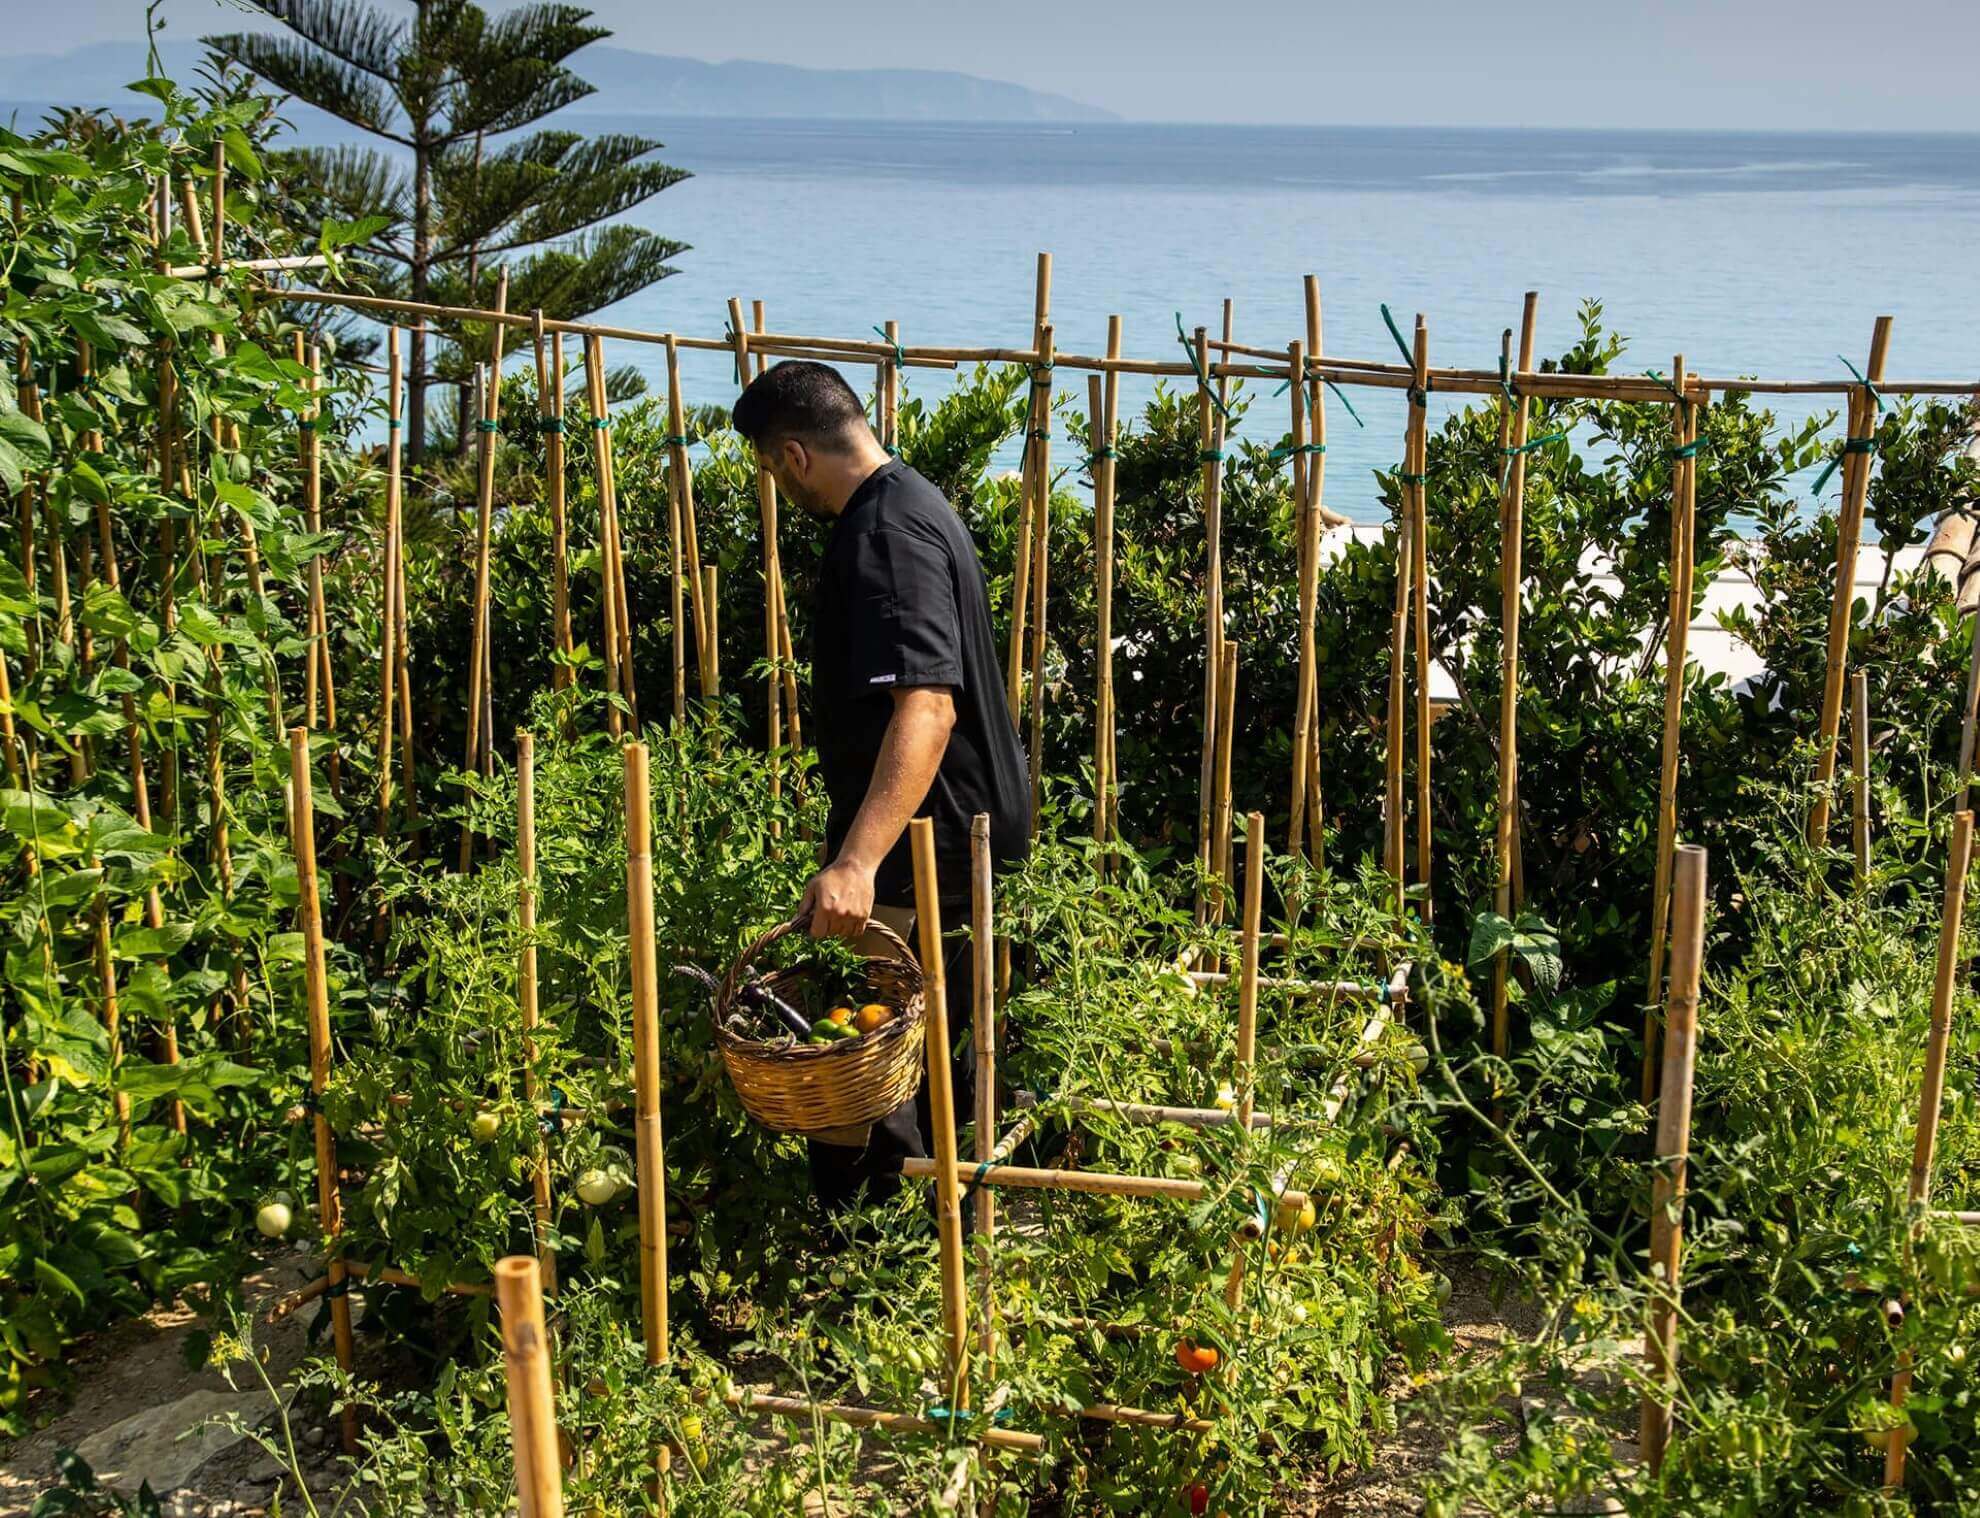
1749,253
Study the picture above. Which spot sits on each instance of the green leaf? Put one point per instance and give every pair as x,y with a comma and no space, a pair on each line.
106,613
24,448
49,1276
1489,934
241,154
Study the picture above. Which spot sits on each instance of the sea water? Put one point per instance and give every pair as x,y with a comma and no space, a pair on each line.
1749,253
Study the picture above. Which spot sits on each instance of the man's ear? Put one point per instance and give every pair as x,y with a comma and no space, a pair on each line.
794,456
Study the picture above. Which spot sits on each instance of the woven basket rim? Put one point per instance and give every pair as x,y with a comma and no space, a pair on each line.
770,1051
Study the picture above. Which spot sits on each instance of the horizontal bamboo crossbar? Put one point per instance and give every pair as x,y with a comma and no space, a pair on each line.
1151,1113
1108,1412
1338,371
1346,990
801,1410
383,1275
1090,1182
249,266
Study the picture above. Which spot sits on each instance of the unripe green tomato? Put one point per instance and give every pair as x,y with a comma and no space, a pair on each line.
273,1219
1418,1057
485,1126
596,1187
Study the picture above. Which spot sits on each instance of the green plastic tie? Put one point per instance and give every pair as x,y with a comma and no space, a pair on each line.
1411,479
1863,382
553,424
1202,373
1339,395
1209,455
1682,398
1690,450
1290,450
941,1414
1416,394
1850,445
1539,442
484,425
900,355
674,439
304,424
601,423
395,423
890,450
1505,382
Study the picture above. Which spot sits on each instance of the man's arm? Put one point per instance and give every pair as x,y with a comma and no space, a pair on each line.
840,896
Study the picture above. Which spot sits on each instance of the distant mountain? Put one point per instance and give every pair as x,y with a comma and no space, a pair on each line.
629,83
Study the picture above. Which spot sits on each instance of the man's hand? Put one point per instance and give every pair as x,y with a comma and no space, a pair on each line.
839,899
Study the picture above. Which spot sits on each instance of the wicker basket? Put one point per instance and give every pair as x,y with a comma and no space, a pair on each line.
833,1092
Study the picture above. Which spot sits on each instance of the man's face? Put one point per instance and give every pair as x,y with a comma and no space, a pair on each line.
792,466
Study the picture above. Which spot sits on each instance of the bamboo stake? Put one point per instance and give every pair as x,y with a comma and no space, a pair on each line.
890,394
1106,784
1317,516
550,402
704,636
766,507
1220,861
1859,743
941,1110
29,395
106,975
1210,453
526,987
1041,547
1684,480
712,608
1512,535
1967,722
532,1405
1673,1152
1307,558
309,458
1863,408
983,1016
329,1196
389,620
1419,562
1932,1092
1393,737
784,653
481,700
601,438
407,769
648,1150
1041,320
1247,1028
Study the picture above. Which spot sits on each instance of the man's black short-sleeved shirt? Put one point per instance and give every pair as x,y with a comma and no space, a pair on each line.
902,602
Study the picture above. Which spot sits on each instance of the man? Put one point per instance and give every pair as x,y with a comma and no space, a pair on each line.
907,697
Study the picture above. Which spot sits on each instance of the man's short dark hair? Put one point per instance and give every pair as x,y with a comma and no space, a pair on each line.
799,399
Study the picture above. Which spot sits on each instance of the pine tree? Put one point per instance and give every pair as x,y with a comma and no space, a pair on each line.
445,91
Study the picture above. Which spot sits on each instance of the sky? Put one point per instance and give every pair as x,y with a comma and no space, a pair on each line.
1741,64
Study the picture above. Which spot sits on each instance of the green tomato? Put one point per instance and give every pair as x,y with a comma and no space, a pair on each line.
485,1126
596,1187
273,1219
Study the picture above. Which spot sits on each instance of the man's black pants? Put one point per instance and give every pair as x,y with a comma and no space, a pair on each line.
839,1173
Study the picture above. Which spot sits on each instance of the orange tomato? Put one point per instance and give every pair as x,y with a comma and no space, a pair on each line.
841,1015
872,1016
1195,1359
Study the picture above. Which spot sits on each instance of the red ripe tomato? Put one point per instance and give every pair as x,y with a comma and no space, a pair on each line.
1199,1499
